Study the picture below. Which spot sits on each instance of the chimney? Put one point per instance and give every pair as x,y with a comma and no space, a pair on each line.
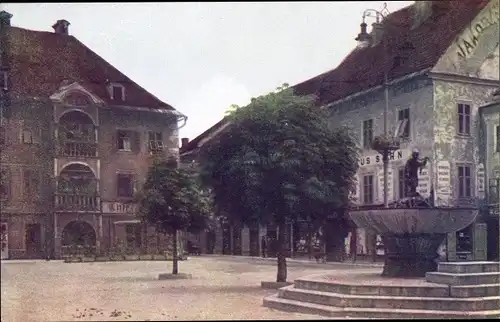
377,33
184,142
61,27
422,10
5,19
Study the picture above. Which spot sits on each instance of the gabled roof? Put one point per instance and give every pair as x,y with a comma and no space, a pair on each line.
364,68
39,62
416,47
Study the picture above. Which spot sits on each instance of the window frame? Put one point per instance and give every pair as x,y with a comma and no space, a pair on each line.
121,176
155,144
117,87
406,133
23,136
367,139
125,136
464,119
364,189
468,180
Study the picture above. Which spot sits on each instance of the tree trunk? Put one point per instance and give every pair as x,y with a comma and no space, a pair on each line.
282,271
175,260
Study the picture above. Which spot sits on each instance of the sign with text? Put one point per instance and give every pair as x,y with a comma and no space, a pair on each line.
488,18
443,191
376,158
390,183
118,208
480,181
424,183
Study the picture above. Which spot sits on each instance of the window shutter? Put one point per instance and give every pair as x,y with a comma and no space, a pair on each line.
114,141
135,137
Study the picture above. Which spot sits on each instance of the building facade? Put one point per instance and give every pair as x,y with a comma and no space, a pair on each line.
440,99
441,59
77,137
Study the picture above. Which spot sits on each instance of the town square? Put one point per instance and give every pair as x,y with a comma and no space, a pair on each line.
250,161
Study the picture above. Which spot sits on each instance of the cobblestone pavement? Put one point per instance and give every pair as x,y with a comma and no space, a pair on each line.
221,288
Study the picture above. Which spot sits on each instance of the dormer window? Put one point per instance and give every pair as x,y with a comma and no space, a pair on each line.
3,80
117,92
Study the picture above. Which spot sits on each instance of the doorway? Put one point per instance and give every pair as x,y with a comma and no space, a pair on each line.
33,241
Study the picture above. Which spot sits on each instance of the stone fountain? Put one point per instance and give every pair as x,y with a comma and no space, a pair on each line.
412,228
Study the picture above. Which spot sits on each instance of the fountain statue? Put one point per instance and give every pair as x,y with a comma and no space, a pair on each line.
412,228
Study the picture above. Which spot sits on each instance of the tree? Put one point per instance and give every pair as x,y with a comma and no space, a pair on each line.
278,161
172,200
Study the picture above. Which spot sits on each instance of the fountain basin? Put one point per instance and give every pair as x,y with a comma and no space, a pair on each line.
412,236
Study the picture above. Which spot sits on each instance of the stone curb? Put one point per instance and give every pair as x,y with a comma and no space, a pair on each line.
299,261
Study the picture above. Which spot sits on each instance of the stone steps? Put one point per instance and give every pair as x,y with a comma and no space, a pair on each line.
276,302
390,302
384,290
475,290
457,291
468,267
463,278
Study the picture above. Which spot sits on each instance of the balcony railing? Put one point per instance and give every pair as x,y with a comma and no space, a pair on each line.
74,202
78,149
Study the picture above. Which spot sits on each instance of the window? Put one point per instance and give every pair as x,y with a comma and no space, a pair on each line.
4,80
368,188
4,185
401,183
125,185
405,115
27,137
464,119
31,182
124,142
464,182
133,232
367,133
118,93
498,138
155,141
2,136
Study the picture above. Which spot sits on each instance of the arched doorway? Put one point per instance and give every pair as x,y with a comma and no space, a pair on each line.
78,233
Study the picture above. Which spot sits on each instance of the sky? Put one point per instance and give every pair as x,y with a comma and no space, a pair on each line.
201,57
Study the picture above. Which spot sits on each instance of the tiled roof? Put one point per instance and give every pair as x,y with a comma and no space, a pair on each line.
40,61
364,68
417,48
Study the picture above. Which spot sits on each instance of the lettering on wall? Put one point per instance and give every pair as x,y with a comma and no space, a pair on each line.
424,183
380,175
376,158
480,181
469,41
119,208
443,191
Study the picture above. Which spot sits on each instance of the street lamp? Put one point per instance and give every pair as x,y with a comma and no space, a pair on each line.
383,146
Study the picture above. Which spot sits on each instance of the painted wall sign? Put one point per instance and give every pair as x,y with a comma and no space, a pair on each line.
376,158
443,191
380,175
424,183
480,181
119,208
487,18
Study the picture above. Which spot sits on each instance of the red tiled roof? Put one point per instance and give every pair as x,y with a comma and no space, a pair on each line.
364,68
40,61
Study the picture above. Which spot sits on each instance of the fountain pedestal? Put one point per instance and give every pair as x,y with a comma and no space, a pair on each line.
412,236
411,255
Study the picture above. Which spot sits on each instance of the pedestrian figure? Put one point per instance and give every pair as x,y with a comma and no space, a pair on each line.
263,246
